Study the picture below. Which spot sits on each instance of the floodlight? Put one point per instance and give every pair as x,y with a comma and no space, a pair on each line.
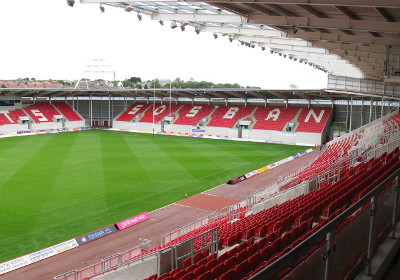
102,8
284,55
252,45
71,3
161,22
263,48
139,17
295,58
294,30
271,51
197,30
174,25
215,35
241,42
230,39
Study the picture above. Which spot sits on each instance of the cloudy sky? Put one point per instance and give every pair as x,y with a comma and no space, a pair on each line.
47,39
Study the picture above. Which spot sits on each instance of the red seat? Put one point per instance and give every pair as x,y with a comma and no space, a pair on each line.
217,271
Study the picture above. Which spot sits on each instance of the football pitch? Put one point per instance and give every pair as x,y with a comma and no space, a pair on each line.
55,187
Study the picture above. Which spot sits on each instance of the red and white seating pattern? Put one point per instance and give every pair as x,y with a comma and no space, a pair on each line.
227,116
42,112
192,114
313,119
67,111
273,117
160,111
133,111
11,117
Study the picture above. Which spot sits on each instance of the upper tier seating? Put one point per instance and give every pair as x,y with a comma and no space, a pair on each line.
133,111
273,117
67,111
42,112
227,116
160,111
11,117
192,114
313,119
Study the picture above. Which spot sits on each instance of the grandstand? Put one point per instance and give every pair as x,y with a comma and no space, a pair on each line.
329,214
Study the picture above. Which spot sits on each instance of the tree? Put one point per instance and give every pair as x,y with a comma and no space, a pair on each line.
155,84
3,86
135,80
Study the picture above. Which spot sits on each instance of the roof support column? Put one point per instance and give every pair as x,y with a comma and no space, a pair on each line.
347,116
351,114
73,102
90,110
362,112
109,110
370,111
382,108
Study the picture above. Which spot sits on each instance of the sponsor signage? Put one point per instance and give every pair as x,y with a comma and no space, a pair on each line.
95,235
251,174
262,169
237,179
198,130
132,221
53,250
37,256
14,264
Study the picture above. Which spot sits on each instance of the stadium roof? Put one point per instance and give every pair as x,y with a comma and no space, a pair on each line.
224,94
343,37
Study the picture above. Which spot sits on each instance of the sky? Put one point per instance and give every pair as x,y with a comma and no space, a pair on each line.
47,39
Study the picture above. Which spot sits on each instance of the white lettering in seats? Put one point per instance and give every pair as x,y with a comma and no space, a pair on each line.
38,114
5,113
274,114
231,113
159,110
194,111
135,109
316,118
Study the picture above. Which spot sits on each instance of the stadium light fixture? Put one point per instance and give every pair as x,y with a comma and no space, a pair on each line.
230,39
102,9
271,51
284,55
182,27
139,17
294,30
174,25
252,45
215,35
263,48
71,3
197,30
161,22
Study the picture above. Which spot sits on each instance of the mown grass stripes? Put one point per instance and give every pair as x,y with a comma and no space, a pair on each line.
57,186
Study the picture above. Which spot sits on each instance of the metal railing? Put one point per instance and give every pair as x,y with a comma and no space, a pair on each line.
168,237
107,264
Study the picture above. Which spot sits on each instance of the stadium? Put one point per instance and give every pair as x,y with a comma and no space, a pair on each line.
215,183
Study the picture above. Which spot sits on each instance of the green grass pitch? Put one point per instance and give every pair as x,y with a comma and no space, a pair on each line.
58,186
